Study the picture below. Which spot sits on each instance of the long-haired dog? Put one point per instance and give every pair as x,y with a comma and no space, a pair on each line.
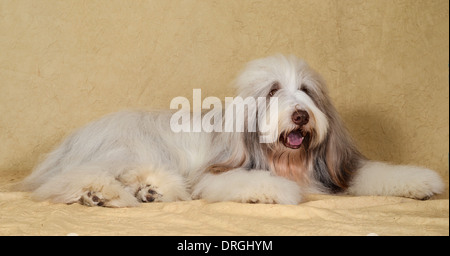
131,157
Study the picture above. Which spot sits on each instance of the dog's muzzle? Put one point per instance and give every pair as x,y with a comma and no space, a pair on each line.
296,138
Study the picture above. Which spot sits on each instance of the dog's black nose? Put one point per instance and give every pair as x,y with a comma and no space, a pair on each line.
300,117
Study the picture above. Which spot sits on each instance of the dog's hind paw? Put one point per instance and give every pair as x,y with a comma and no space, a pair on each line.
91,198
148,193
107,196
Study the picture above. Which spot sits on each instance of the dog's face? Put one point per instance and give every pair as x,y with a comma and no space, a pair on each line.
307,140
301,95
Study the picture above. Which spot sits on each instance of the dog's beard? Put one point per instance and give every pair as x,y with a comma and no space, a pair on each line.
290,157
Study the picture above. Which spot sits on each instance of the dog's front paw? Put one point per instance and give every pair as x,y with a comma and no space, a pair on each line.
274,190
377,178
148,193
423,184
265,200
255,186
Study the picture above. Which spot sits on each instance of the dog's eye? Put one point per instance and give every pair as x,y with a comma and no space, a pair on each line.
272,92
274,89
304,89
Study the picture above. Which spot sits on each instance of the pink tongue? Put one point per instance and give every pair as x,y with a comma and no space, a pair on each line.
295,138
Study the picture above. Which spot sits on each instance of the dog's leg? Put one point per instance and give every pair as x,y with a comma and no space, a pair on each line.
377,178
111,195
87,185
149,184
247,186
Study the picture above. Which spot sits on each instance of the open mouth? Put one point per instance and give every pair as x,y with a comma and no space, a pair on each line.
295,139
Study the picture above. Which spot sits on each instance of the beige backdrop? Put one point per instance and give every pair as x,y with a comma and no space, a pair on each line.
64,63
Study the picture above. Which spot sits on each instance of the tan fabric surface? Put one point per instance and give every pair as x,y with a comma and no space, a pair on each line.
64,63
319,215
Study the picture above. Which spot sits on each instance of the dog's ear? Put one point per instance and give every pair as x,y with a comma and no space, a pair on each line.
245,150
255,154
337,158
236,156
245,153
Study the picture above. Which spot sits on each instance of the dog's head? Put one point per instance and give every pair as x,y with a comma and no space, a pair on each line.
309,143
301,100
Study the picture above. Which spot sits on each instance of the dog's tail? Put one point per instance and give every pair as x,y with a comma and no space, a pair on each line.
378,178
46,169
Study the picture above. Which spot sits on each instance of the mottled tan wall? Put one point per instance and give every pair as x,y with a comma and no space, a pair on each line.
64,63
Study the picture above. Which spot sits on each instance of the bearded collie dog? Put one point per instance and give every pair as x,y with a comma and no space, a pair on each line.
134,157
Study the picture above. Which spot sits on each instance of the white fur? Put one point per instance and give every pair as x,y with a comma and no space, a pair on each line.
377,178
71,186
255,186
133,156
121,153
